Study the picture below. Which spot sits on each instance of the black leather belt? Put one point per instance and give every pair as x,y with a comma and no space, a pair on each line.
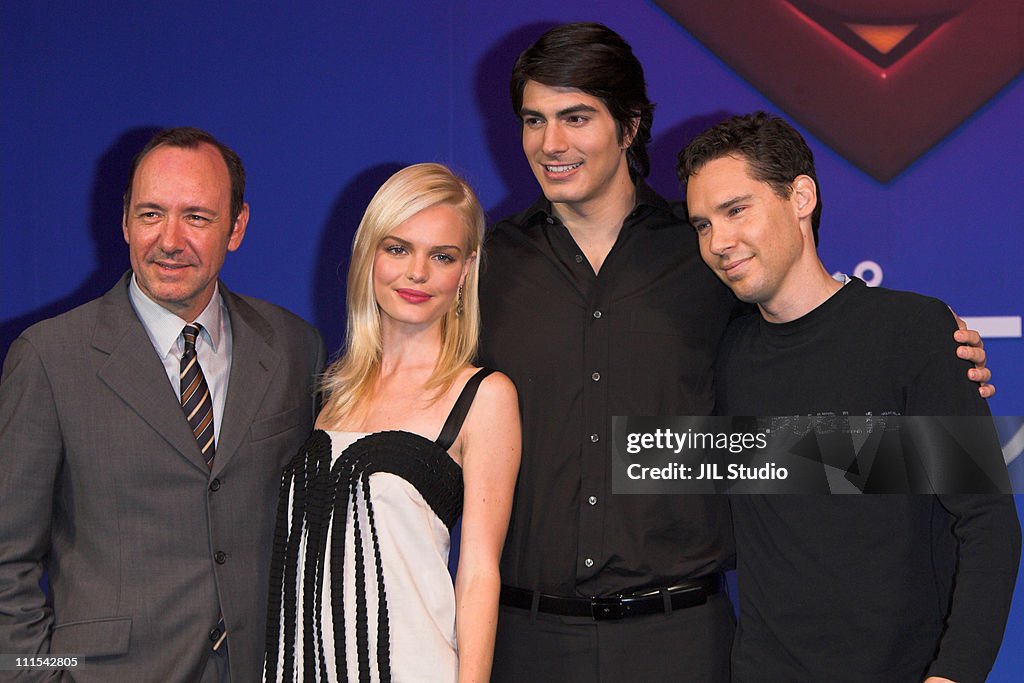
655,601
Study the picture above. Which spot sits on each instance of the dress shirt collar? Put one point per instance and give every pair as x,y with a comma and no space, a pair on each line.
646,200
164,327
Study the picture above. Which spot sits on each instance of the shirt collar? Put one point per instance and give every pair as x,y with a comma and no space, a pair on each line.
646,200
164,327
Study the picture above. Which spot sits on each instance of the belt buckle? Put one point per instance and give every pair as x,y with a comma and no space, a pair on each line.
608,607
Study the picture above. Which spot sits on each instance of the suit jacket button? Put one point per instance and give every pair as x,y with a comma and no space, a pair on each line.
214,634
215,485
220,557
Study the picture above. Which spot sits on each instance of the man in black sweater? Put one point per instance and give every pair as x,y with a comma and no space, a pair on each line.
868,587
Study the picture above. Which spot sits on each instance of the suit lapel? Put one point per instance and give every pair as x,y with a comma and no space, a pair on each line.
253,363
134,372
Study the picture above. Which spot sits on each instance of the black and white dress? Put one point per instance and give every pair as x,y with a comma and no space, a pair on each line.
360,589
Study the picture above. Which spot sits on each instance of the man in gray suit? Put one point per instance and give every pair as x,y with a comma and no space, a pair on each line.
142,437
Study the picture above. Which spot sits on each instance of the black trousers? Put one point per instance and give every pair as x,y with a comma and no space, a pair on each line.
688,646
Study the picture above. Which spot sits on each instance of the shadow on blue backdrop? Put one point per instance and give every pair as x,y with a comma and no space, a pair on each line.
335,251
105,213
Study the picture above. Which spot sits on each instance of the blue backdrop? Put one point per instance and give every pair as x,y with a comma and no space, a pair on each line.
324,102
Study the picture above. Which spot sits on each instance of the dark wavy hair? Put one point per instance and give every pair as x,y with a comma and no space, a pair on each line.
775,152
595,59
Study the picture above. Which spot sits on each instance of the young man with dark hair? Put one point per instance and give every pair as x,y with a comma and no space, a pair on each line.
859,587
596,303
598,62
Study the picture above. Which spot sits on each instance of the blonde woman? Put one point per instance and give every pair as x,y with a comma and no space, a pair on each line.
411,434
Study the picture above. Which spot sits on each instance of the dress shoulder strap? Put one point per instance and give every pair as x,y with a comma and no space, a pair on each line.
450,430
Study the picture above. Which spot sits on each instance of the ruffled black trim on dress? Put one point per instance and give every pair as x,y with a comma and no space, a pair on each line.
321,493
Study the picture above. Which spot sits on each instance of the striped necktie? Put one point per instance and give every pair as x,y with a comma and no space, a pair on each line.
195,395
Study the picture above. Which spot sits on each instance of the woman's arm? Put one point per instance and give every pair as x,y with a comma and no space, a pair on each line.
490,464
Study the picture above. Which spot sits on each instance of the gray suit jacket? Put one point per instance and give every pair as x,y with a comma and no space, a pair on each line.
103,484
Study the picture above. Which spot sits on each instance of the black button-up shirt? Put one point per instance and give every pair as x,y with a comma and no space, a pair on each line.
639,338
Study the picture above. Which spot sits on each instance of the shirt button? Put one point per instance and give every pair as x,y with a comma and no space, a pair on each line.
594,438
551,221
595,376
220,557
598,314
589,562
579,258
592,500
215,485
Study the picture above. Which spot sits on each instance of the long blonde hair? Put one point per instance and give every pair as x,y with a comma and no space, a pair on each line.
409,191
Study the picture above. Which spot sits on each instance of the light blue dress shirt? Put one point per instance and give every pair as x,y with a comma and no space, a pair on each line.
213,345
